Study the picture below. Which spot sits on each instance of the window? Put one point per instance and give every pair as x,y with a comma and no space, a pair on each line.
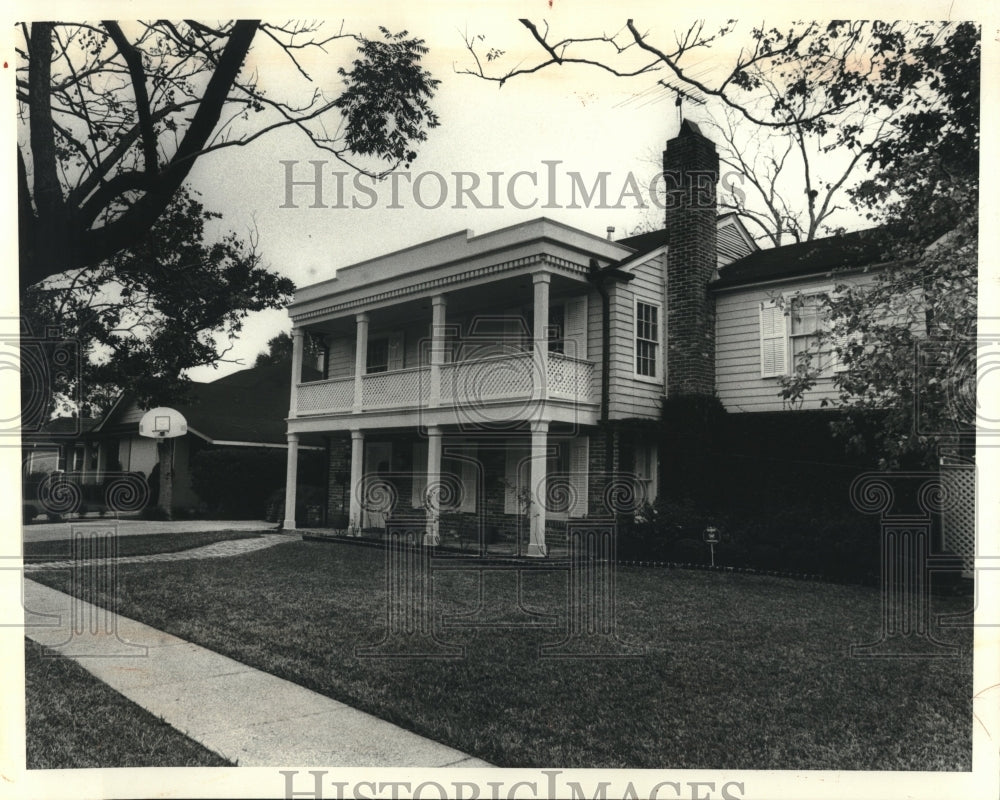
557,329
378,356
647,339
790,336
385,353
805,316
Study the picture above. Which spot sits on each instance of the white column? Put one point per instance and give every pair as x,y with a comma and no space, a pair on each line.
293,405
541,323
536,514
291,479
360,359
432,535
357,478
439,306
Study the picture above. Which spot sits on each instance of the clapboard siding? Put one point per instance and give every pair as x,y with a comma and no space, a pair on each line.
738,381
629,396
340,352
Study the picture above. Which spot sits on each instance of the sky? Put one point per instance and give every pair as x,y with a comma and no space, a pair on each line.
556,122
551,124
578,119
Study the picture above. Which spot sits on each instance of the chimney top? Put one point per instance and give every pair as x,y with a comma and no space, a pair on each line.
688,128
611,231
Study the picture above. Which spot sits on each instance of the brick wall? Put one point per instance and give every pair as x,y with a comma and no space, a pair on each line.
691,169
338,499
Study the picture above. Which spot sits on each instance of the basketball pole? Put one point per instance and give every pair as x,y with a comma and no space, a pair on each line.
166,454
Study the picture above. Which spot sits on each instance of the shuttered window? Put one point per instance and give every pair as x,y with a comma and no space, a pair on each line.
773,340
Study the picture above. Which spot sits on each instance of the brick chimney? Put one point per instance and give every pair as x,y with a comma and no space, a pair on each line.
691,172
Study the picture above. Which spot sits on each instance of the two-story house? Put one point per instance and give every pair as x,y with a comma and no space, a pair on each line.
511,381
511,377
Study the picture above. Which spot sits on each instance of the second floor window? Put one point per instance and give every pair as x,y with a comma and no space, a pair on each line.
378,356
647,338
557,325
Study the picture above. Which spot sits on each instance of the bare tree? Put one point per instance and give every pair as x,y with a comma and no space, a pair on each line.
799,113
113,117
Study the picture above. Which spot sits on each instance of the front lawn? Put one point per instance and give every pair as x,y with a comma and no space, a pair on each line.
135,545
739,671
72,720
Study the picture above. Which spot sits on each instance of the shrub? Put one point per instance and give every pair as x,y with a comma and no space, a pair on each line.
305,496
238,482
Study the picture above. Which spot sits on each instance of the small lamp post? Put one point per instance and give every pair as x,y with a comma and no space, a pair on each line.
712,538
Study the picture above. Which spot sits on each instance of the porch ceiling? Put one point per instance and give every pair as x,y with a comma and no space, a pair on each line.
495,297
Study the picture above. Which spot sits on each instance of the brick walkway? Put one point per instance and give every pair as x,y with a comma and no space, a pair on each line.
236,547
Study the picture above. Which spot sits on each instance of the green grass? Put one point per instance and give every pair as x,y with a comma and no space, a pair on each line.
142,545
739,671
75,721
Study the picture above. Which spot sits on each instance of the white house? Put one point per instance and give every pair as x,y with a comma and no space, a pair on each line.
514,378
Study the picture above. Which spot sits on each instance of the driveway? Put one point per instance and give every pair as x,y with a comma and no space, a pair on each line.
49,531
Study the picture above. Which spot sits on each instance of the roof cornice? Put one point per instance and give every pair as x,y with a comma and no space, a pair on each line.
432,284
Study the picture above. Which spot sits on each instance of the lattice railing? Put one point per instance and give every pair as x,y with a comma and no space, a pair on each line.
397,389
502,377
570,378
325,397
510,376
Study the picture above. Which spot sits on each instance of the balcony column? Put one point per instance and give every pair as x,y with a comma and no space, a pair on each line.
536,513
360,359
541,282
293,404
291,478
432,536
357,479
439,305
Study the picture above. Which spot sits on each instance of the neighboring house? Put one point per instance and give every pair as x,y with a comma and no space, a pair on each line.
243,409
515,379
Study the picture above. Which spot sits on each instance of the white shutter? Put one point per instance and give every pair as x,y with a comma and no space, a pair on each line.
773,340
575,327
419,470
579,469
395,351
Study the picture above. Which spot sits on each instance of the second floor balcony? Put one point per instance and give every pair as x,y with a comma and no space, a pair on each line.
470,384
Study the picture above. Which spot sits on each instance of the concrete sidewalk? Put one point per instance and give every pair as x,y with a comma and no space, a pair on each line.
247,716
47,531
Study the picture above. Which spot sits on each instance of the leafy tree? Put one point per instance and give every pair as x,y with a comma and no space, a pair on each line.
279,350
906,343
113,117
168,303
899,99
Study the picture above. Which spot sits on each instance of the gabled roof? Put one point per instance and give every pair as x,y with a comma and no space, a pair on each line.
647,242
848,251
246,407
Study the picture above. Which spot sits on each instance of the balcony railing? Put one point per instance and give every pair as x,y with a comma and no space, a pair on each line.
502,378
